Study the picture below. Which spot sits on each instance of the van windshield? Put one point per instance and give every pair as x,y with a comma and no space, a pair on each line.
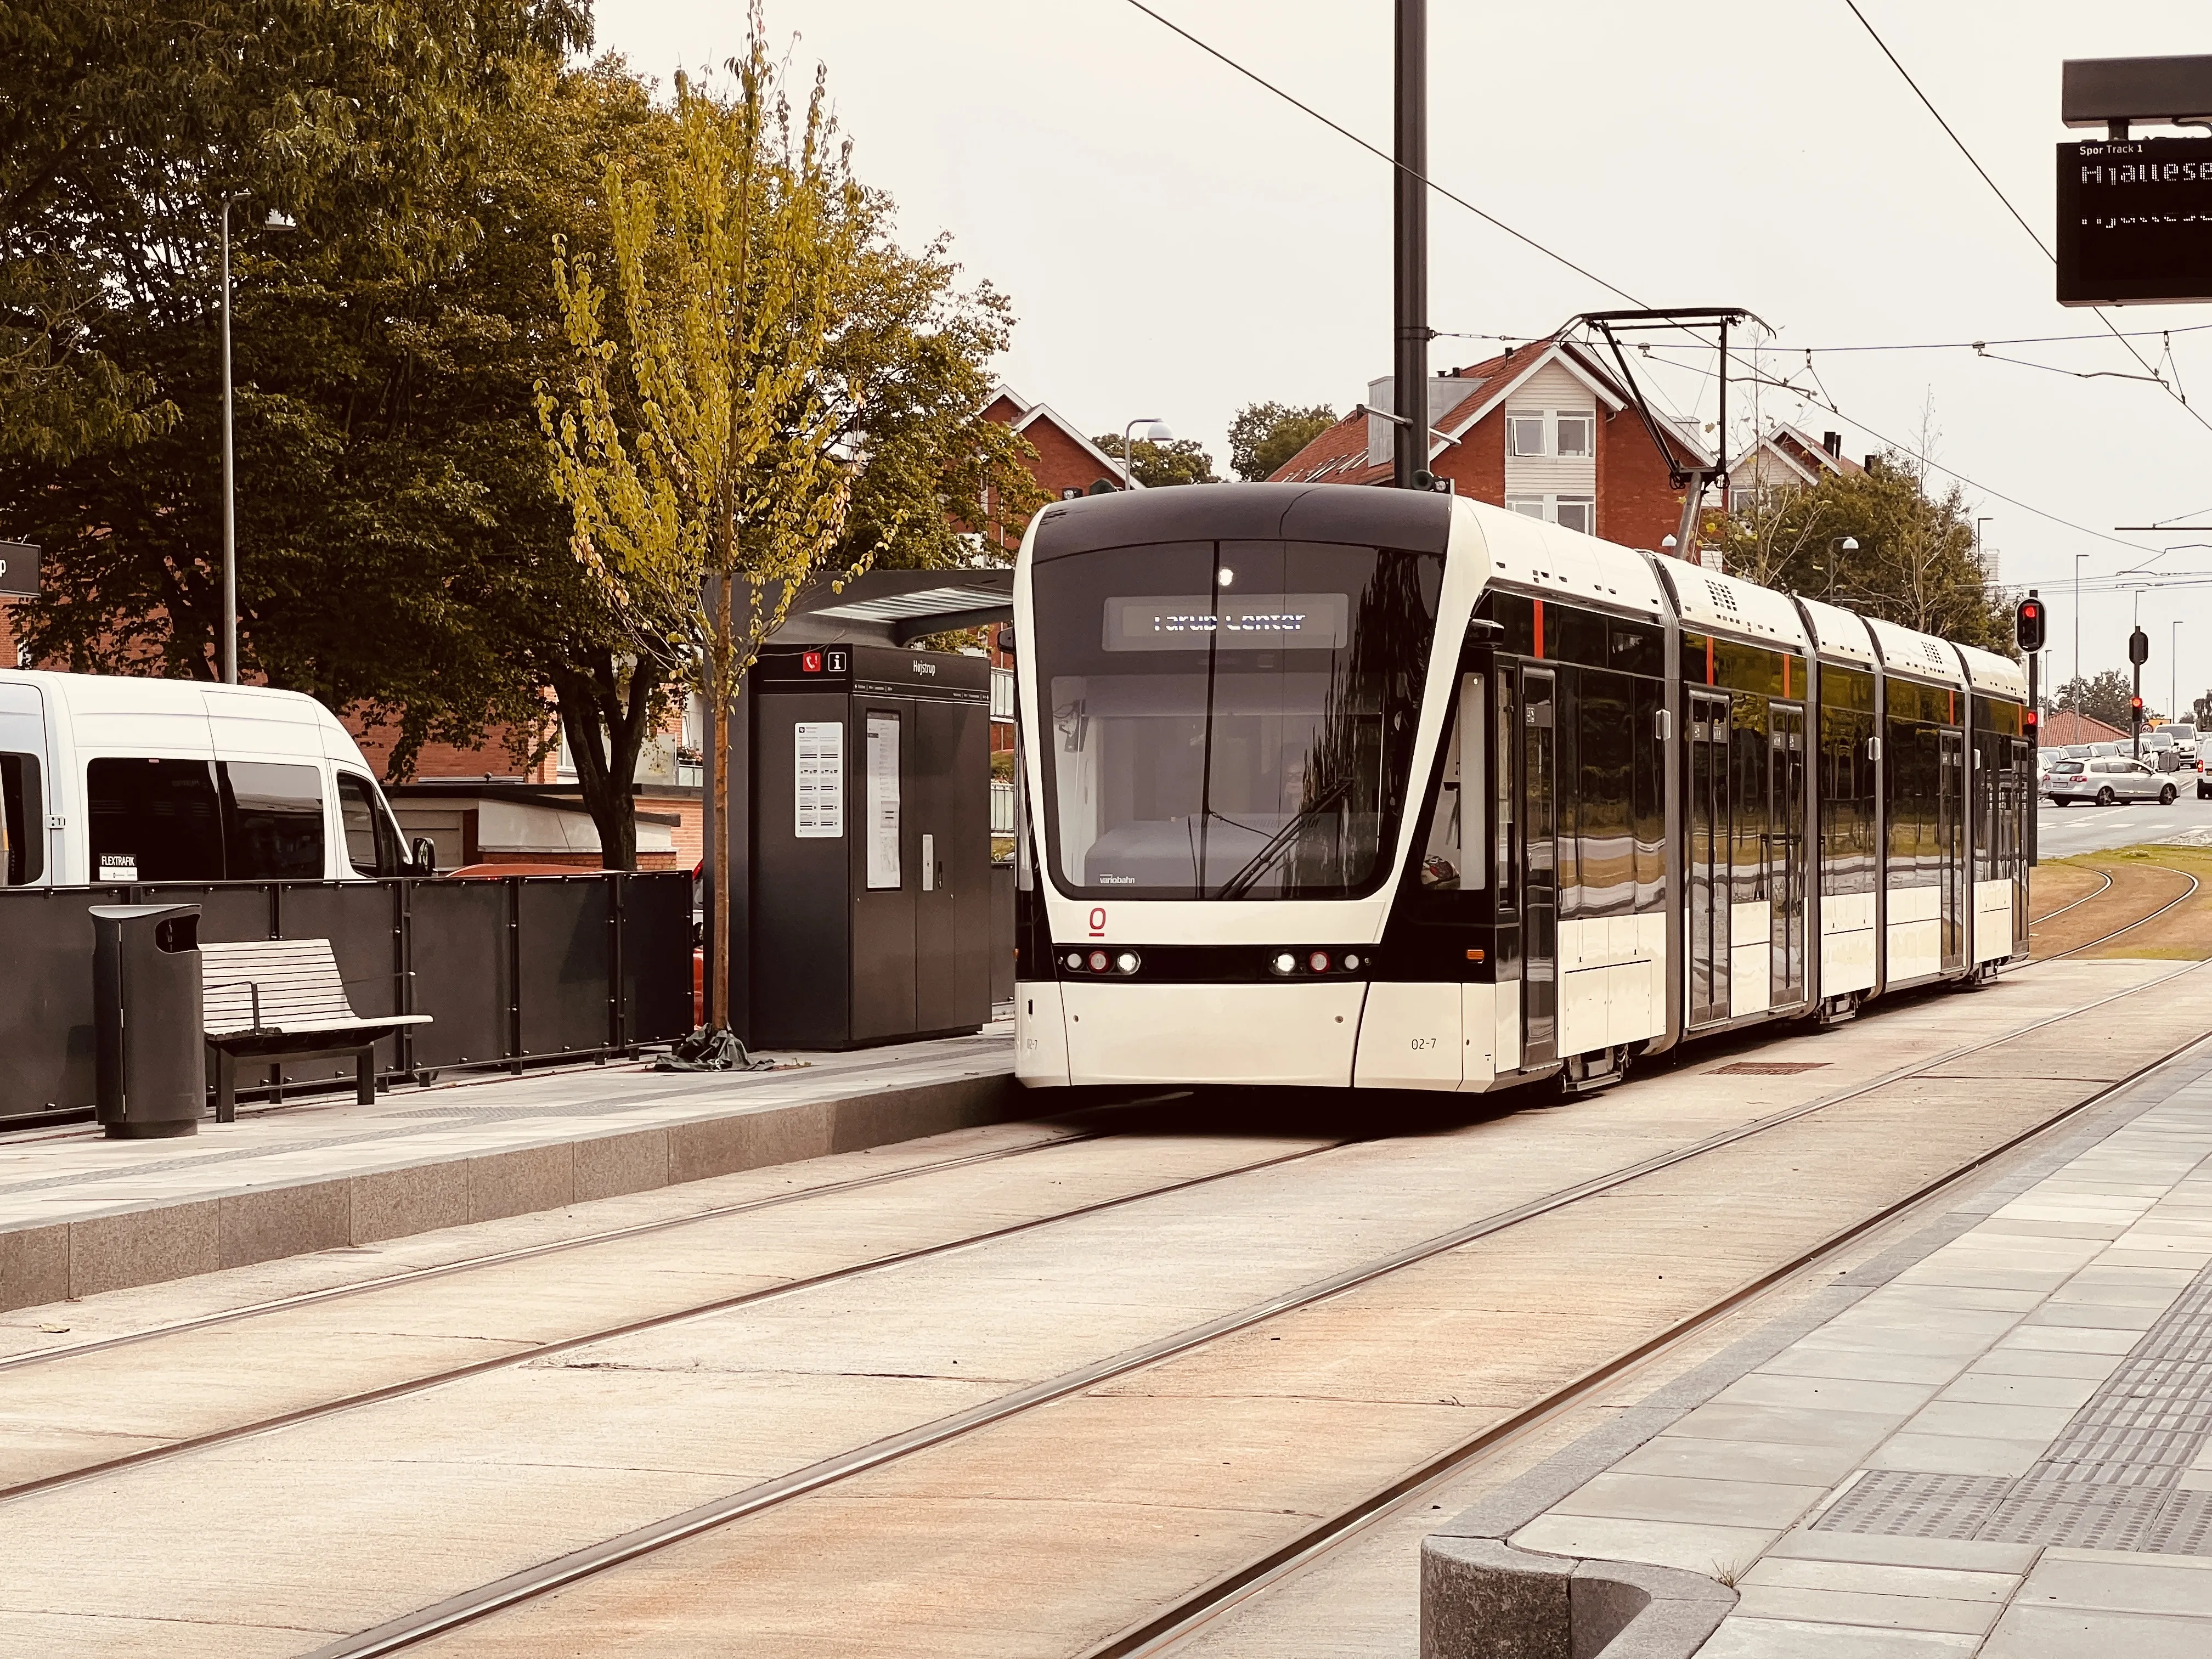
1229,719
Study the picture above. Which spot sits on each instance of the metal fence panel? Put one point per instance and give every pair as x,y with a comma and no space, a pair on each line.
45,997
507,969
564,962
363,922
656,957
458,934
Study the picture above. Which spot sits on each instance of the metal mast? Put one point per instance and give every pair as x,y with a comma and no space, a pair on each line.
1410,273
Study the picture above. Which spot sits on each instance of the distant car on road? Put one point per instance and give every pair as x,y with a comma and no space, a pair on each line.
2107,779
2203,778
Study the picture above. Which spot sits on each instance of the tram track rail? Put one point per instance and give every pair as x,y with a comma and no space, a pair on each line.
2093,893
487,1601
185,1446
1167,1629
2175,902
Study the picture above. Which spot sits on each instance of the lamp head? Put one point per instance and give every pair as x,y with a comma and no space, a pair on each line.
1158,432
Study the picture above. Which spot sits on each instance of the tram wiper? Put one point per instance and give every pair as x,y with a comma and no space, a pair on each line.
1259,864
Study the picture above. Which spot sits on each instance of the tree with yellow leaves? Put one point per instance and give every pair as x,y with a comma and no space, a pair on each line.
700,447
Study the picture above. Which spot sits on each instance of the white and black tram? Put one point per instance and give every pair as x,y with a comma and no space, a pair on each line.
1334,785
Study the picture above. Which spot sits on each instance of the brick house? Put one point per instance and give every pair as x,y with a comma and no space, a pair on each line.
1786,459
2062,726
1545,429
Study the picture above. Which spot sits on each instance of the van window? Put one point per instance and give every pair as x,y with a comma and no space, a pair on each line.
273,821
371,839
154,820
22,822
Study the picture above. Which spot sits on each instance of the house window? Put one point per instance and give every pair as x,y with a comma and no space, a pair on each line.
1524,435
1529,507
1576,512
1577,437
1002,696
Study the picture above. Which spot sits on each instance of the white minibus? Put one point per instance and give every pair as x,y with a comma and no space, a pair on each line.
108,778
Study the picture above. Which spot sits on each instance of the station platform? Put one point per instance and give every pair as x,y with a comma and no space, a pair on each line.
1995,1438
81,1215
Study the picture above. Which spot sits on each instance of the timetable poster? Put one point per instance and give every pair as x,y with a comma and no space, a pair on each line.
819,756
883,803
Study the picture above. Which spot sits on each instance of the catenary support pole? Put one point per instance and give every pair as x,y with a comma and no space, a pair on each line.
229,651
1409,267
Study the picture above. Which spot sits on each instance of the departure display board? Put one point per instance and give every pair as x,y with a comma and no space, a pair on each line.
2135,221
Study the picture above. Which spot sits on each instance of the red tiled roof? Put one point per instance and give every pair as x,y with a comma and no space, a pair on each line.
1340,455
2062,726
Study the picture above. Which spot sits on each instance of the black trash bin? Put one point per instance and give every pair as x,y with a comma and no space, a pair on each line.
148,1036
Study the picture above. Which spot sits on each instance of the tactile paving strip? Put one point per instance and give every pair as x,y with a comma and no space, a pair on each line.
2110,1480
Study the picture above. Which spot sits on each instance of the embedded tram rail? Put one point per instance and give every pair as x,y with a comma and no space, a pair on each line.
468,1618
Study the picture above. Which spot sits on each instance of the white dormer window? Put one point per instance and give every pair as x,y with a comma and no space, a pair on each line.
1568,434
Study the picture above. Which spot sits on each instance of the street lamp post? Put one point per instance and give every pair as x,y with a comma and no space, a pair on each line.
229,651
1839,544
1156,432
2078,557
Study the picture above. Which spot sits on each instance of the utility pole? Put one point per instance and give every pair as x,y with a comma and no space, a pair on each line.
1409,363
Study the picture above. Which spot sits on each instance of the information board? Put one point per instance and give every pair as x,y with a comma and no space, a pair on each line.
819,793
2135,221
882,785
19,570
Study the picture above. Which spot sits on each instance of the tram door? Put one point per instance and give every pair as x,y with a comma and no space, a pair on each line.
1951,843
1539,869
2015,802
1709,873
1786,851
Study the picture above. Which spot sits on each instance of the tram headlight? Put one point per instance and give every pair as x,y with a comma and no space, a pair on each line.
1126,963
1351,963
1284,962
1075,961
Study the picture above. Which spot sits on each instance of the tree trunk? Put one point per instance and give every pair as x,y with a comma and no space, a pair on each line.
605,725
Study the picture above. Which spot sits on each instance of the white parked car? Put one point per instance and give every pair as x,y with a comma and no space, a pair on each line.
2106,780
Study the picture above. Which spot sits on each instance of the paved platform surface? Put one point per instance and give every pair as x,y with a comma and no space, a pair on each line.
2003,1448
80,1214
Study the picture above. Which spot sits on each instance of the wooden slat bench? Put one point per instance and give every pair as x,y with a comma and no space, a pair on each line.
280,999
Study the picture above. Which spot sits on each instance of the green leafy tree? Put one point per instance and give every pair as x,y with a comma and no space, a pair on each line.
1158,467
2106,697
1264,436
1914,563
699,439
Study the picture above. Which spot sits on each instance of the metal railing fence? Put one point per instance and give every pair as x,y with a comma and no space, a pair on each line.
514,971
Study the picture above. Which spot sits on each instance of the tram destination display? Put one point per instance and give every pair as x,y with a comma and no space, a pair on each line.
19,571
1191,621
2135,221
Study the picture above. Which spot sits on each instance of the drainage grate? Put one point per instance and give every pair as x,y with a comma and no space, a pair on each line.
1767,1067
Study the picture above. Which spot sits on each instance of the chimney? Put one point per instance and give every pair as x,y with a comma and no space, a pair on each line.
1833,443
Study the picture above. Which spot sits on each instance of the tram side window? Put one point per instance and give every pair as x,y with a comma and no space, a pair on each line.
1606,752
1648,798
22,822
1454,827
1748,762
1847,801
1509,736
154,820
1915,780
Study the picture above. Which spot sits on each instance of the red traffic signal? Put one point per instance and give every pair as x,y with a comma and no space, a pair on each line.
2027,624
2135,710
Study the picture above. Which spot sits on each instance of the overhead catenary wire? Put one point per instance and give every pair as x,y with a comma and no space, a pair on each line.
1824,401
2042,247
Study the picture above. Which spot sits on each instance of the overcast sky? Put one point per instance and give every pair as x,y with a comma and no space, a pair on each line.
1178,242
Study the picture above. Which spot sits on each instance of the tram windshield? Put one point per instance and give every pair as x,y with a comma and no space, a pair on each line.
1229,719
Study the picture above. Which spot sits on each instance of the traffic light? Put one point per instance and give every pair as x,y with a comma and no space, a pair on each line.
2135,712
2028,625
2139,650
